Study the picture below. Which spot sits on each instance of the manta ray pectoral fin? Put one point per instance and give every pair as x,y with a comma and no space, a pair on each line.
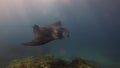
36,29
32,43
37,42
58,23
28,44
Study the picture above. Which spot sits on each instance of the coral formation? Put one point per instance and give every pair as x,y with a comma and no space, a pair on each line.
48,62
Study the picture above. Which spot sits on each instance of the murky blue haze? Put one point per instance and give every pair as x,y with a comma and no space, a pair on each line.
94,27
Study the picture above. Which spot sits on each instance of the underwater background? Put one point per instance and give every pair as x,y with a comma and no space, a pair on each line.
94,27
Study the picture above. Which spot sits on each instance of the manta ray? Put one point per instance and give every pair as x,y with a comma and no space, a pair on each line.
48,33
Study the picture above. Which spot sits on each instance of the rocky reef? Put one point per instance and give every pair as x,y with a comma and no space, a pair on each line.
49,62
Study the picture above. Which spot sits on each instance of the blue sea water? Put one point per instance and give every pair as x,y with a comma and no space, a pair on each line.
94,27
